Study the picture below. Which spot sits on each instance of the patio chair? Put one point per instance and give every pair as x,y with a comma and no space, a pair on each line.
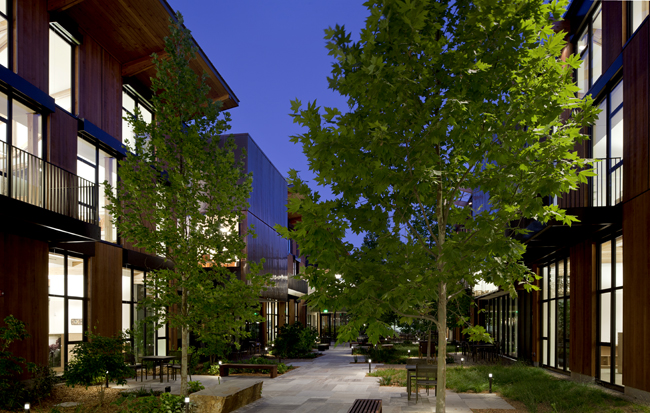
426,375
177,367
129,359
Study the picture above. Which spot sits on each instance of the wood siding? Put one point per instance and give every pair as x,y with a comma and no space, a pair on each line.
100,88
32,41
613,26
105,290
635,121
25,286
63,140
636,282
583,309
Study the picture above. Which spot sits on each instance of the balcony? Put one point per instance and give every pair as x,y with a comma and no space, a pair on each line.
38,183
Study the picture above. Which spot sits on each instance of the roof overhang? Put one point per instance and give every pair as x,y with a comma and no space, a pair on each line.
131,30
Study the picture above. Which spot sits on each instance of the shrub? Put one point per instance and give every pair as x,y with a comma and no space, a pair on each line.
43,380
214,370
282,368
294,340
96,360
194,386
12,392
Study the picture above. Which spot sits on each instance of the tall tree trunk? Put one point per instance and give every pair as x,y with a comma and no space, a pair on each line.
429,347
185,337
441,399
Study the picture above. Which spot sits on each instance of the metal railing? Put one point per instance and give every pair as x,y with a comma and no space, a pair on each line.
30,179
607,185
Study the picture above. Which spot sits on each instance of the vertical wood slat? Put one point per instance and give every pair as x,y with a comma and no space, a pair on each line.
636,308
583,314
105,289
612,25
32,38
635,121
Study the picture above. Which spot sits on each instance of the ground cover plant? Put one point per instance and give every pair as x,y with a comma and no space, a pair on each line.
532,386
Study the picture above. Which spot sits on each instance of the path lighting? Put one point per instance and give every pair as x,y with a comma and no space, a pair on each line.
369,366
338,276
107,379
490,376
219,362
26,407
461,362
456,349
168,389
187,404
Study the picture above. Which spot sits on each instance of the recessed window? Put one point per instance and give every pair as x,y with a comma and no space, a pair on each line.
130,101
637,12
98,166
5,41
590,49
60,70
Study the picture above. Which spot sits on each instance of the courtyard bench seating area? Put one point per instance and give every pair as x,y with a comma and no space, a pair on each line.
224,369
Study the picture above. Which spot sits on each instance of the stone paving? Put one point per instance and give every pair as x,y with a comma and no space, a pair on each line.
330,384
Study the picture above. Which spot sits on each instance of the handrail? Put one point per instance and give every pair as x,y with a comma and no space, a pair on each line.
607,185
37,182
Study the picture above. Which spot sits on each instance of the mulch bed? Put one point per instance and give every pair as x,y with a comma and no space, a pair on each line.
89,399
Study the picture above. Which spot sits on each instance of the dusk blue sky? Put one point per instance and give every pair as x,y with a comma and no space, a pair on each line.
269,53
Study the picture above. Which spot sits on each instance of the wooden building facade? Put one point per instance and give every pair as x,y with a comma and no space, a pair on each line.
591,317
70,70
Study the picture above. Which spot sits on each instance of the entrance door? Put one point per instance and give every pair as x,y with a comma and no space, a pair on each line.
325,327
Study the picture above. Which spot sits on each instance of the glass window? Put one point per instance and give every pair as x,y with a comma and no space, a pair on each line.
590,50
129,102
66,278
610,303
556,315
638,13
26,126
5,40
60,70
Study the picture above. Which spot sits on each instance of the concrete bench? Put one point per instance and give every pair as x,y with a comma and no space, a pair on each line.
225,368
227,396
366,406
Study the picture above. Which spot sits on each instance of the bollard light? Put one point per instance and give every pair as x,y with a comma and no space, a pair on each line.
369,366
456,349
187,404
219,362
26,407
490,376
461,362
107,379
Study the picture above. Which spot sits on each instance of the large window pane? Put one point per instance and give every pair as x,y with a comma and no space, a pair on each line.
618,337
27,129
560,279
605,265
75,277
605,317
4,40
126,317
56,275
75,320
597,46
56,330
583,75
126,284
619,262
551,281
545,320
639,12
107,173
552,334
60,71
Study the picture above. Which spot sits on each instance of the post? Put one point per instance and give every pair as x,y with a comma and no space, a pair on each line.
490,376
107,379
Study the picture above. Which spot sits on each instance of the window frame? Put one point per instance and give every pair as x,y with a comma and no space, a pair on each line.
73,43
587,26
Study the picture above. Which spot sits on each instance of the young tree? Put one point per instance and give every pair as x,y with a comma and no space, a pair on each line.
180,196
443,96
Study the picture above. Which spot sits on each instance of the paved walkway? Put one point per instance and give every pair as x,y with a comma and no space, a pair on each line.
330,384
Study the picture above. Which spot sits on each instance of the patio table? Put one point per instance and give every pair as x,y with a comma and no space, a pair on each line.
160,360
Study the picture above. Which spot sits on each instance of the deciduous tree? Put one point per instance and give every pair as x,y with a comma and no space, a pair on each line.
442,96
180,196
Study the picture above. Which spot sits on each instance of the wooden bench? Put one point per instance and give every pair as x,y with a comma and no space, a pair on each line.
366,406
224,369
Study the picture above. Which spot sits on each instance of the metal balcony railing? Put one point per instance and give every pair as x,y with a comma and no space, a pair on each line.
607,185
28,178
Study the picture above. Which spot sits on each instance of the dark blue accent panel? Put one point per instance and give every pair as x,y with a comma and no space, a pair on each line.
89,128
29,91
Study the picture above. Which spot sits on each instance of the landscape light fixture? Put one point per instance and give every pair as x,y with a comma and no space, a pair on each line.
490,376
26,407
369,366
187,404
107,379
461,362
219,362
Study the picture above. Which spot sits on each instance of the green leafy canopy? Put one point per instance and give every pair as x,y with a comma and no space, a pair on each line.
181,196
443,96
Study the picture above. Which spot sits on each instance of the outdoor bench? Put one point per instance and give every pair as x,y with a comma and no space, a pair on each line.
366,406
225,368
